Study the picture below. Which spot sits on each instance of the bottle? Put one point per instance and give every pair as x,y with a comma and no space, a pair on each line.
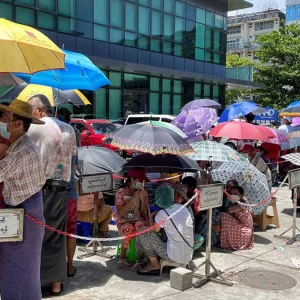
59,172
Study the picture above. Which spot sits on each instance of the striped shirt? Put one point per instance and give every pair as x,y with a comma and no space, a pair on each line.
22,171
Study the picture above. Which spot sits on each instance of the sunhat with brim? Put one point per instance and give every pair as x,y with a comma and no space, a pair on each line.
21,108
164,196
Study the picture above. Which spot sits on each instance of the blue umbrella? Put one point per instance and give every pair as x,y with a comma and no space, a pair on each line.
240,109
293,107
80,73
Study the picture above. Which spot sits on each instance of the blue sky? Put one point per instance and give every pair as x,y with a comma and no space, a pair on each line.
258,5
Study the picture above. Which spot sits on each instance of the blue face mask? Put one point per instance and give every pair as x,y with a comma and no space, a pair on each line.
3,131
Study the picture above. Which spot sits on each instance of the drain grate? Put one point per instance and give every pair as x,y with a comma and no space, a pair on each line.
266,280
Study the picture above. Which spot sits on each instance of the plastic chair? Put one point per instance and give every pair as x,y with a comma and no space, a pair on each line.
131,254
85,229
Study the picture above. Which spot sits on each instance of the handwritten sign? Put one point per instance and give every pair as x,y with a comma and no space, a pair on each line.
294,178
211,196
11,225
96,183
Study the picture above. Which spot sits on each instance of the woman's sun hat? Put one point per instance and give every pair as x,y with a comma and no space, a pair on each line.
164,196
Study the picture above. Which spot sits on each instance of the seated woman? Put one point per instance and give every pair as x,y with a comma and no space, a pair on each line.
131,204
85,213
179,230
237,224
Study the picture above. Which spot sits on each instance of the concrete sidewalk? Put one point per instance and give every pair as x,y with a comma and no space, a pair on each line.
99,278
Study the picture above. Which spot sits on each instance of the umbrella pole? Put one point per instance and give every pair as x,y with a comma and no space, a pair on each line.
95,244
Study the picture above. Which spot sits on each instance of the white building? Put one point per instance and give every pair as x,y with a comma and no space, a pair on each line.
243,29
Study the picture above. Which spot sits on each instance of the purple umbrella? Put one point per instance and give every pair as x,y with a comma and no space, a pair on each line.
196,122
198,103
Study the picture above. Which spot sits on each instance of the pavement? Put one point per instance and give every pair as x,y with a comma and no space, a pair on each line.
98,278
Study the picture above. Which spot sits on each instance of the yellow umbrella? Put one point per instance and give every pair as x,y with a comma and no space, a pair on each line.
56,97
26,50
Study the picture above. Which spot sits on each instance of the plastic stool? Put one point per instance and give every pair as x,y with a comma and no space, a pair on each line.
86,228
263,220
173,264
131,254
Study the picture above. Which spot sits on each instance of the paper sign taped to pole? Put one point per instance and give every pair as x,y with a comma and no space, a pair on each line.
294,178
211,196
11,225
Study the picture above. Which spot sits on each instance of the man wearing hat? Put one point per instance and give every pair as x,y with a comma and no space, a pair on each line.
57,144
179,229
21,171
286,127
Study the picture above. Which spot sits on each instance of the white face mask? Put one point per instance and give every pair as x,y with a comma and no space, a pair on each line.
4,131
138,185
235,198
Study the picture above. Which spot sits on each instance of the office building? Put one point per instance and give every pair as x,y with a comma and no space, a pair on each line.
158,54
292,11
243,29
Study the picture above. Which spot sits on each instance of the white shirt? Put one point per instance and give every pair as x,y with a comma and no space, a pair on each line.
177,248
56,141
286,129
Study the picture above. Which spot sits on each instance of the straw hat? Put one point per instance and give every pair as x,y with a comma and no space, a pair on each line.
21,108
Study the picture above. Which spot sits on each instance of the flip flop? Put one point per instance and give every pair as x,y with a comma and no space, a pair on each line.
149,273
59,292
73,273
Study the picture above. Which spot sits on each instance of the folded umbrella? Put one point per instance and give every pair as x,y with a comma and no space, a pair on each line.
27,50
167,163
251,179
213,151
198,103
80,73
149,138
196,122
240,109
56,97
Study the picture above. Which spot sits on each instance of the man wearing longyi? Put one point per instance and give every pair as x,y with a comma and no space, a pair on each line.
21,171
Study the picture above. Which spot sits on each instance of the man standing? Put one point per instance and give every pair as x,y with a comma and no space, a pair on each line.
57,143
21,171
286,126
64,115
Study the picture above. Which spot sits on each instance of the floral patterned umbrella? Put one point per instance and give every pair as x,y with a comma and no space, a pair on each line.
251,179
196,122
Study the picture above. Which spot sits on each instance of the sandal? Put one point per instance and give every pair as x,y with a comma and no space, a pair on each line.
137,266
123,264
149,272
73,273
59,292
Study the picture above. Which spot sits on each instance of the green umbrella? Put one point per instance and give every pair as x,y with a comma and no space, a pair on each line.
213,151
167,125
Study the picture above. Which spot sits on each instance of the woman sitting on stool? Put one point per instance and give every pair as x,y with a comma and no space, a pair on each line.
179,230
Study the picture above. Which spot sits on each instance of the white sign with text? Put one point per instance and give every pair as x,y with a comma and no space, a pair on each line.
211,196
96,183
294,178
11,225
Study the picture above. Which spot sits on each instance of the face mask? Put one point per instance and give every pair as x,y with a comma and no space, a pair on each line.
3,131
258,154
234,198
138,185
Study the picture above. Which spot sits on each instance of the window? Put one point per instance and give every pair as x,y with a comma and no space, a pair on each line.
115,105
200,35
168,27
169,6
116,13
131,17
101,33
156,23
219,22
199,54
100,103
210,19
176,104
264,25
200,17
46,21
79,126
85,29
130,39
154,103
233,44
180,9
144,20
66,25
234,29
166,83
179,29
156,45
177,87
103,128
101,14
166,105
143,42
154,84
26,2
25,16
47,5
67,7
85,10
157,4
6,11
115,79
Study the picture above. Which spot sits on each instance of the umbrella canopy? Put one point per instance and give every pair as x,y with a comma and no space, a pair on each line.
7,79
296,121
213,151
149,138
276,137
56,97
294,139
294,107
251,179
239,131
198,103
240,109
167,125
93,160
167,163
26,50
294,158
80,73
196,122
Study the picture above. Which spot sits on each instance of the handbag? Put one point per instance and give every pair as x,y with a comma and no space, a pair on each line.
179,231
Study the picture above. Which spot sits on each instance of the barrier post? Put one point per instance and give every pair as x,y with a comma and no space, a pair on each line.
95,184
294,183
211,197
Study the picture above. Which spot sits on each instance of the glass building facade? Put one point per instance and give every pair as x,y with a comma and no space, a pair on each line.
158,54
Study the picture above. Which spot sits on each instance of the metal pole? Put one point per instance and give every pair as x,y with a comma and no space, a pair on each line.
95,227
295,213
208,243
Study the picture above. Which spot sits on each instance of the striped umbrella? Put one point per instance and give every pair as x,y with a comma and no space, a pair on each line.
276,137
213,151
56,97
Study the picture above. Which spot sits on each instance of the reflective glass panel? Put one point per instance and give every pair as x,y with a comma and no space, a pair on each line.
101,11
131,17
116,13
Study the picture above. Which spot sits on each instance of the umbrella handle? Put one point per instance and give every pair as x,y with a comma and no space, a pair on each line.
143,188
